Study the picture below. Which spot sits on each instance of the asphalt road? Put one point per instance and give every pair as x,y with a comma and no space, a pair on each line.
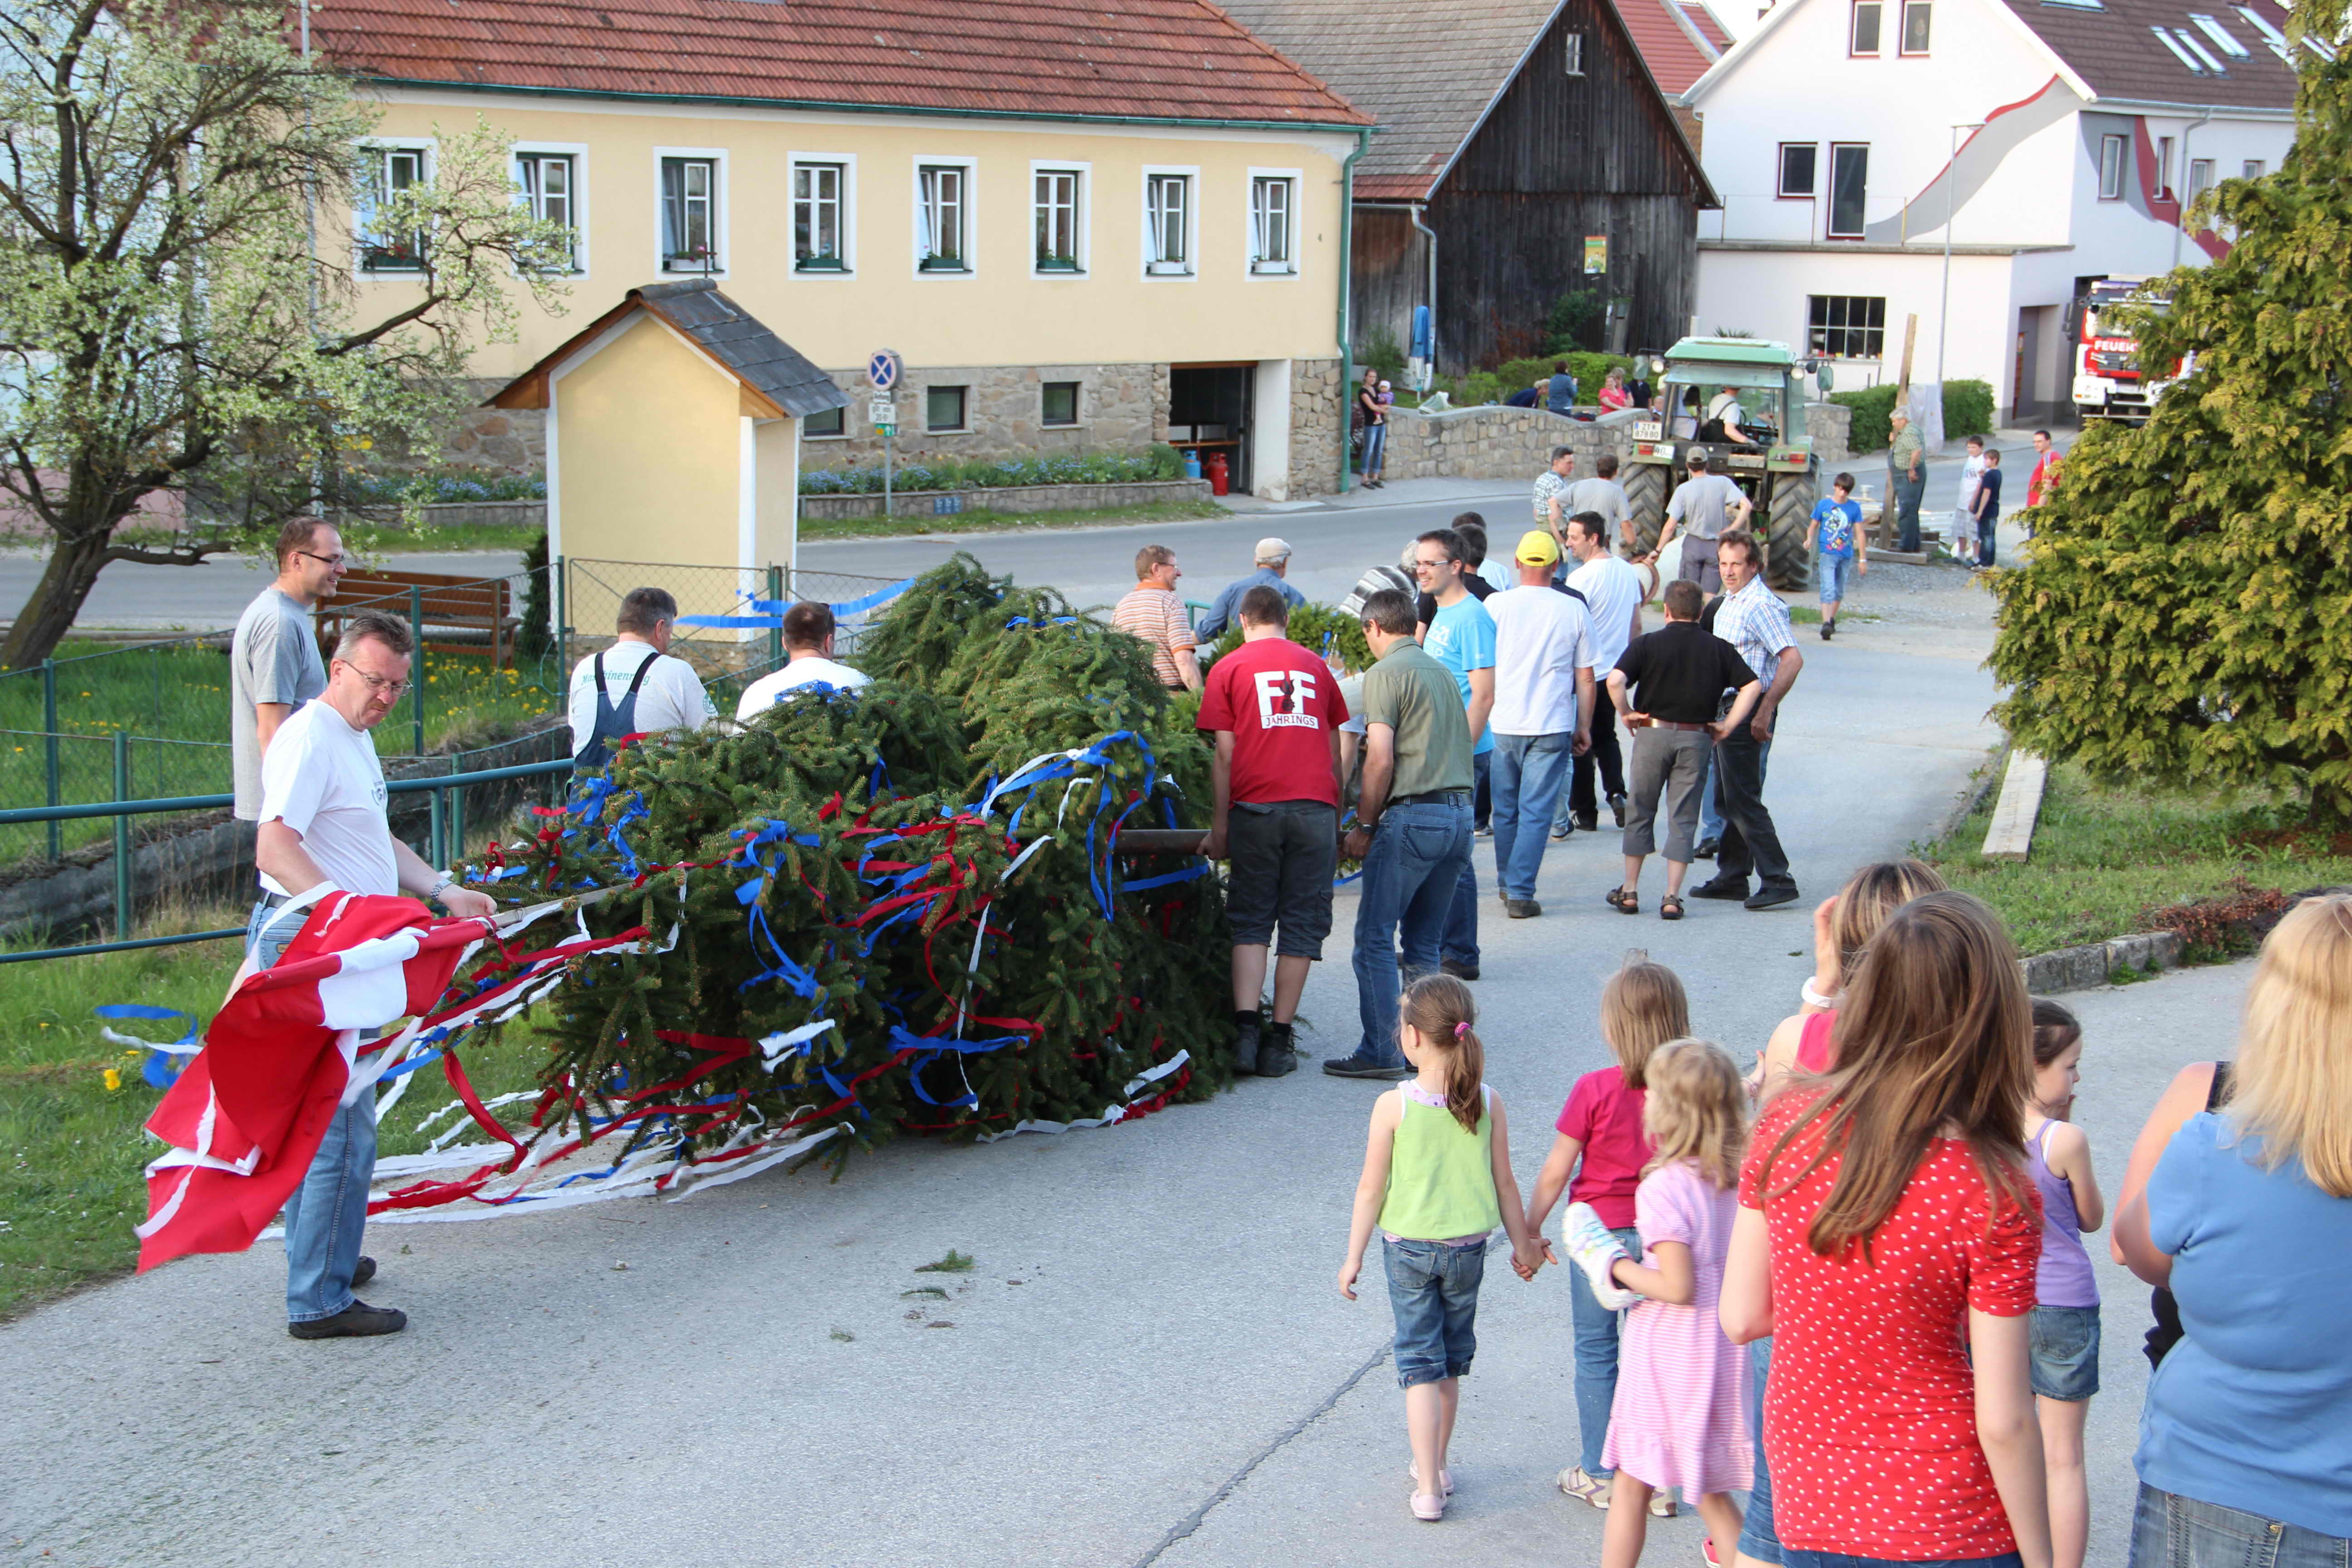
1150,1365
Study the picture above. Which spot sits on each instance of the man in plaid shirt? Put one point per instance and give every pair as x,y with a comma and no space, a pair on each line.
1752,619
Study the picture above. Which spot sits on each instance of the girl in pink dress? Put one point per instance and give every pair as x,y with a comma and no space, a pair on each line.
1680,1419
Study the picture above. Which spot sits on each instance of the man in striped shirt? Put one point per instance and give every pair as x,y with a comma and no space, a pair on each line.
1154,613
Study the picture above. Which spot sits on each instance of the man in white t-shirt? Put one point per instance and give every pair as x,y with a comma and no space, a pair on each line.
809,662
1543,702
1612,594
323,823
637,687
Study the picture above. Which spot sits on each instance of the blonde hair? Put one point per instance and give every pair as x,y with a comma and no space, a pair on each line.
1696,1109
1869,896
1440,1010
2293,1084
1641,1008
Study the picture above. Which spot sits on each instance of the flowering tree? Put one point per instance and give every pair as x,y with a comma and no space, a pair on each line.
188,211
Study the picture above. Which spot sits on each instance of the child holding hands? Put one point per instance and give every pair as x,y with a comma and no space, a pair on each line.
1436,1181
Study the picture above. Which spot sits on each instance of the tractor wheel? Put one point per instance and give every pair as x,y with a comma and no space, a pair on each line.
1788,563
1646,489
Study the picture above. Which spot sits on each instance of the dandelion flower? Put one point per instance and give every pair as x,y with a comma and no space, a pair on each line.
113,1079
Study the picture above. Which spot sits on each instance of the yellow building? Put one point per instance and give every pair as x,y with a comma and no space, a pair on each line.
1080,229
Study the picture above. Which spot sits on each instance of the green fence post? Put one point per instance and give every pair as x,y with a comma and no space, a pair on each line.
433,835
456,818
49,747
416,675
122,839
776,632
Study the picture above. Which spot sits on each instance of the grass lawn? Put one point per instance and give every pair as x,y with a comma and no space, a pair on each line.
2106,860
70,1186
994,522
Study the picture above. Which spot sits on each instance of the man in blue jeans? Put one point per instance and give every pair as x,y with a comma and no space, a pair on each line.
1461,636
324,829
1543,710
1413,829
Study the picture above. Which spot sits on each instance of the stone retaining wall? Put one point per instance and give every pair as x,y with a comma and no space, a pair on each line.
1009,498
454,514
1494,442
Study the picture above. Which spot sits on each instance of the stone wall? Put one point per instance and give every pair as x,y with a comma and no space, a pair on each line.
1492,442
1830,424
506,441
1317,427
1011,498
1121,408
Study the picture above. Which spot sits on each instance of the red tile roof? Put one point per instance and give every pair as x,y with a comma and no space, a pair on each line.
1160,59
1704,22
1674,57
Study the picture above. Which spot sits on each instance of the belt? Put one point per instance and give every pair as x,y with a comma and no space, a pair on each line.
273,901
1430,797
1677,724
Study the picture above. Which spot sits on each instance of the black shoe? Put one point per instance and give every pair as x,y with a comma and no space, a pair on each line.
1772,893
1829,630
1277,1054
1521,908
1706,848
1588,822
364,1272
1357,1066
1245,1042
357,1320
1459,969
1617,808
1721,888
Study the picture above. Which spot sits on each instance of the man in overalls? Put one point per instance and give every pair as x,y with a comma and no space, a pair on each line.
657,691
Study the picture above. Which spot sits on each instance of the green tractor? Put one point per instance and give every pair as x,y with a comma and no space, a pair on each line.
1776,467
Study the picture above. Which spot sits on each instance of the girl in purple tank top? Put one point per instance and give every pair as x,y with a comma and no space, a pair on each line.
2065,1364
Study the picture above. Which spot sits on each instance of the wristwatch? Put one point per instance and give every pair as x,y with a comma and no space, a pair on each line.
432,894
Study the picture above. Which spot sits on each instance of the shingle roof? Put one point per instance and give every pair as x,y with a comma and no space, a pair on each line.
1164,59
1428,72
1672,51
697,311
2112,49
1705,23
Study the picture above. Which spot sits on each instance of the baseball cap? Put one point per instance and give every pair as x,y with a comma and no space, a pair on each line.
1538,548
1272,550
1695,455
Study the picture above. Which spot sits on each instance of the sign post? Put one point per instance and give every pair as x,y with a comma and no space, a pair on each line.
883,368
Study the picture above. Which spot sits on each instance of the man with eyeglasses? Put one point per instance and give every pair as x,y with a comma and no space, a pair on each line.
273,660
323,821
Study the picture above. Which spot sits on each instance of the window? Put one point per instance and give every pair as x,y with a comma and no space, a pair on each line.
820,196
2200,178
550,187
2219,34
829,423
1798,162
2164,165
1057,192
1864,39
1847,326
1168,219
943,408
1572,50
1270,246
689,199
390,171
1060,404
2112,154
2255,169
946,197
1849,179
1916,15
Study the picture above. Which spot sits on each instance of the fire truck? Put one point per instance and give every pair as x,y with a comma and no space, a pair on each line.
2109,381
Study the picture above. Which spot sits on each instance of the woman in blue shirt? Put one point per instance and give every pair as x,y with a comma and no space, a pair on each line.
2245,1450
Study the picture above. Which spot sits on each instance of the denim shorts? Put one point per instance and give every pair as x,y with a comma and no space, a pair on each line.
1758,1537
1434,1289
2066,1351
1834,572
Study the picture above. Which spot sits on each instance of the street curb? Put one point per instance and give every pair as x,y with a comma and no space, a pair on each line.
2081,968
1981,783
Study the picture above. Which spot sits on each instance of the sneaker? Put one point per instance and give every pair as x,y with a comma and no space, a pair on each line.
1277,1055
1245,1042
1772,894
364,1272
358,1320
1486,830
1705,849
1661,1505
1560,832
1362,1066
1706,1549
1617,808
1521,908
1459,969
1591,1489
1588,822
1829,630
1592,1248
1721,888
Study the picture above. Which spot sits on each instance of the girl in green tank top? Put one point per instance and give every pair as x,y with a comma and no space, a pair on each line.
1437,1181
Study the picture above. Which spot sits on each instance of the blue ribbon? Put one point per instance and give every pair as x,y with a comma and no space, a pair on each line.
159,1069
771,611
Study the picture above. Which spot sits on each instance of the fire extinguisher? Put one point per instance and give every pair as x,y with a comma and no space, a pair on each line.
1218,473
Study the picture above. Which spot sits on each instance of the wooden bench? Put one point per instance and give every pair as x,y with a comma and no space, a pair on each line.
483,606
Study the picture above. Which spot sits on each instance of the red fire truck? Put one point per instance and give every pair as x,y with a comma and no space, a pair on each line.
2109,382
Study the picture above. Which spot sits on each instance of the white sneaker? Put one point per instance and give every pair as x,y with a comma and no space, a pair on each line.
1592,1248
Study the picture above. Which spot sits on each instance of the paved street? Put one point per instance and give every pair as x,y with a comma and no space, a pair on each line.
1149,1363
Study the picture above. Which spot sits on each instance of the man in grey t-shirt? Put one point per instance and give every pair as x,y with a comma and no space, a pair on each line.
273,660
1604,495
1702,509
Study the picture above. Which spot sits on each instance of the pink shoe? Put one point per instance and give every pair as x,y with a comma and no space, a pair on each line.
1444,1479
1428,1508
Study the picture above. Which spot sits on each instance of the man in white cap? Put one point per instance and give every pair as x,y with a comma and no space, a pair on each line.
1273,560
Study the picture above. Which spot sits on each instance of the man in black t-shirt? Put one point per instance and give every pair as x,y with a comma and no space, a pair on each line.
1668,687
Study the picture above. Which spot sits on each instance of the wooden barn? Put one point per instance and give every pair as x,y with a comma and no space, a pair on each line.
1526,150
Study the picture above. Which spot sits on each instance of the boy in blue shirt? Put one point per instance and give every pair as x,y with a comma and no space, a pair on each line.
1839,550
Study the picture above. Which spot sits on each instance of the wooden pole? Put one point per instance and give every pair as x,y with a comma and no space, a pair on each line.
1910,341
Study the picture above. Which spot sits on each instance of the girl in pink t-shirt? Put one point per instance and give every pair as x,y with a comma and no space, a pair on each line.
1600,1141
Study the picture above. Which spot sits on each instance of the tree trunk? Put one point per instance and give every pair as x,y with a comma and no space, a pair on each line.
48,613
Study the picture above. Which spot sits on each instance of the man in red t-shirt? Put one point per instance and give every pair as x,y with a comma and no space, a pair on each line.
1275,710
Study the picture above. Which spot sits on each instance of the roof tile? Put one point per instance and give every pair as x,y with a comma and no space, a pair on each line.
2111,47
1672,51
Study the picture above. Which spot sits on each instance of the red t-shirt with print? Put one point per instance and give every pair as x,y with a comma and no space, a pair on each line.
1869,1416
1605,1116
1283,705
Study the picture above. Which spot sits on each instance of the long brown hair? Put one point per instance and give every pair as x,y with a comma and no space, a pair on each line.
1935,1031
2292,1087
1641,1008
1696,1109
1442,1009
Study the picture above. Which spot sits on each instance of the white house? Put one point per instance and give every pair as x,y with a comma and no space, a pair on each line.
2082,128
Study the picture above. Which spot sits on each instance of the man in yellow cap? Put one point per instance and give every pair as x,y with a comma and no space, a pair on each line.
1542,715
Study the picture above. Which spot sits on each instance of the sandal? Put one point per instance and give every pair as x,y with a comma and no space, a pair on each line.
1624,901
1670,908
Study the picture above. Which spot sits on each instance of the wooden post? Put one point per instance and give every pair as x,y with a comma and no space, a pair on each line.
1910,341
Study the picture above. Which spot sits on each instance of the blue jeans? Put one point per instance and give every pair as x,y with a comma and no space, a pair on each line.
1434,1290
1596,1328
2173,1532
1410,875
325,1215
1796,1557
1376,449
1905,493
1528,773
1461,940
1832,573
1757,1538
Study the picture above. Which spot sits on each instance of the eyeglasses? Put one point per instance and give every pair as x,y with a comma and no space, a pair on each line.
1420,565
330,560
389,688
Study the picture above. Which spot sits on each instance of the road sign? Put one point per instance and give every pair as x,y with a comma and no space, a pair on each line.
882,411
882,369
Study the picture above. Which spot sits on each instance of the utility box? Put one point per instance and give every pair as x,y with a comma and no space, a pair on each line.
673,432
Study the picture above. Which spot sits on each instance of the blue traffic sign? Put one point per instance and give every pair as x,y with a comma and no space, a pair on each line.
882,369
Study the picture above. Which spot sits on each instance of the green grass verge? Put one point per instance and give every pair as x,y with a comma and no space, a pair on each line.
71,1186
996,521
2107,861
